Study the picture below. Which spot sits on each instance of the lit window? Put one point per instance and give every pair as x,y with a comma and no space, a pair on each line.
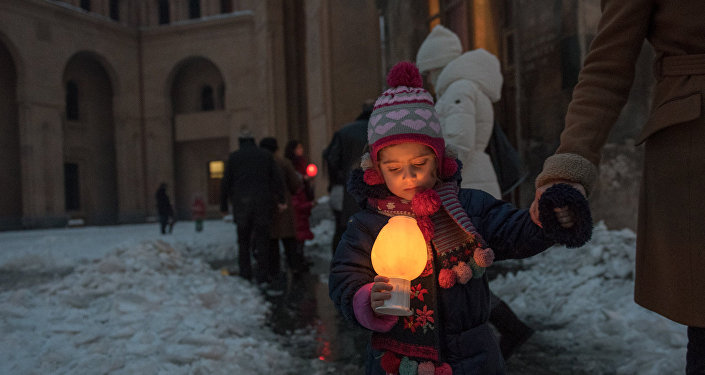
216,169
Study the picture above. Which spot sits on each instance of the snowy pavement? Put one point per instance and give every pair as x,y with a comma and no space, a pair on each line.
126,300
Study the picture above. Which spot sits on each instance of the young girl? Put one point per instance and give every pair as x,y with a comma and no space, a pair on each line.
410,172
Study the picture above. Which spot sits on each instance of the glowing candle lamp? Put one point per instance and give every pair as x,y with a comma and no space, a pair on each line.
399,252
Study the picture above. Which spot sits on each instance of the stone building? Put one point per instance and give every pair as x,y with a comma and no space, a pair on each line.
102,100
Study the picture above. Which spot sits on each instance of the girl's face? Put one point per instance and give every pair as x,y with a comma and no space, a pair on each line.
299,150
408,168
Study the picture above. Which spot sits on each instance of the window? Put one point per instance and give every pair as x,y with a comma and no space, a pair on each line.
86,5
226,6
221,96
71,100
207,99
216,169
164,12
71,187
194,9
115,10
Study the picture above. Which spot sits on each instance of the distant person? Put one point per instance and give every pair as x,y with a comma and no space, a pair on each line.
283,226
670,250
252,183
302,199
342,156
165,210
198,212
466,85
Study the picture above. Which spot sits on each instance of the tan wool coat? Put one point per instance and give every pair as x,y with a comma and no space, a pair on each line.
670,264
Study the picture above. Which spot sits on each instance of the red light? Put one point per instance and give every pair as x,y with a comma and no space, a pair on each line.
311,170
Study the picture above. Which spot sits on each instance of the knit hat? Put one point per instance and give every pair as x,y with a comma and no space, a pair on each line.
405,113
439,48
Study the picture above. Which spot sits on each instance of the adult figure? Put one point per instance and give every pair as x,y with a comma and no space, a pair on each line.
164,209
341,156
252,183
283,223
302,200
466,85
670,253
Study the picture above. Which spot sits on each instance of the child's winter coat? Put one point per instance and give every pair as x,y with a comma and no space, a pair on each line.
465,340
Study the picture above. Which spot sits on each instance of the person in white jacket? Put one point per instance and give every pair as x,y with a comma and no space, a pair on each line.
466,85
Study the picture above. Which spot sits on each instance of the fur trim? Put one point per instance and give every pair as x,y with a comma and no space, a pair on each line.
366,161
568,167
560,195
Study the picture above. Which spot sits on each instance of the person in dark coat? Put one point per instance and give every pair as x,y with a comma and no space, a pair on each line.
342,156
670,257
164,209
253,185
409,172
302,200
283,226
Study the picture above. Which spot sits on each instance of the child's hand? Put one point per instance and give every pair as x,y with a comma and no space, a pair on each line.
565,216
380,291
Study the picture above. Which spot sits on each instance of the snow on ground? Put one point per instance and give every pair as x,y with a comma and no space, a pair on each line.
132,301
581,303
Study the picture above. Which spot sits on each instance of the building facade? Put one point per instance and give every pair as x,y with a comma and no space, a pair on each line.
105,99
102,100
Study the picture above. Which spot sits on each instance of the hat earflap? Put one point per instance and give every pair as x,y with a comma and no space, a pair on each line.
371,175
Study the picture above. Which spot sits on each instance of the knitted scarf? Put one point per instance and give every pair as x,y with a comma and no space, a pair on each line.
456,253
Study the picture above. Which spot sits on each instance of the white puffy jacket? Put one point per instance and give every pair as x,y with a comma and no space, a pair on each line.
466,89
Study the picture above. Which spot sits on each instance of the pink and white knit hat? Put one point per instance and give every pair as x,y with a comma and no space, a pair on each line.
405,113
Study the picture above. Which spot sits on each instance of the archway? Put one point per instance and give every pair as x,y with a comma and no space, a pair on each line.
90,173
10,170
200,133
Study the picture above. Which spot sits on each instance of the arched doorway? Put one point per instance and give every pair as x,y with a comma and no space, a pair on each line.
11,197
201,133
90,174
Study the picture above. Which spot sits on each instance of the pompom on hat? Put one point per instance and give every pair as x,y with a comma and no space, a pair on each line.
402,114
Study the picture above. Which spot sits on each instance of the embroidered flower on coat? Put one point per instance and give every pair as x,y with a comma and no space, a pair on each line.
424,316
410,323
418,291
390,205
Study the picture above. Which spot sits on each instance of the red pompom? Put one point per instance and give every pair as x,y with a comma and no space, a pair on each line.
404,74
449,167
446,278
483,257
426,368
372,177
390,363
426,202
444,369
426,226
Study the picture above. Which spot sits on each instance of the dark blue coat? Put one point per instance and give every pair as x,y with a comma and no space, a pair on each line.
467,343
